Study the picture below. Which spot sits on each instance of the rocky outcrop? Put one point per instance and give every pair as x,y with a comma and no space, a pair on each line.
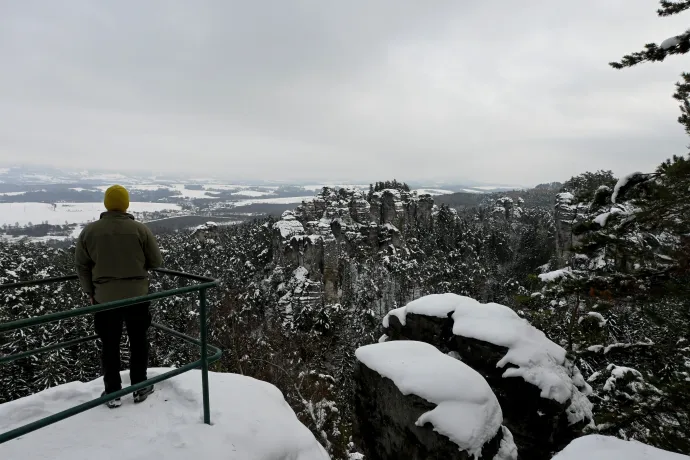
540,425
567,214
205,231
385,424
404,412
324,234
508,208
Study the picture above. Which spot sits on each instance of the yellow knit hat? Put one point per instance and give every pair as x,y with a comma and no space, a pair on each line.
116,199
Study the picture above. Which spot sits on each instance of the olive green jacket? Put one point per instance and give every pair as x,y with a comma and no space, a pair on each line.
113,257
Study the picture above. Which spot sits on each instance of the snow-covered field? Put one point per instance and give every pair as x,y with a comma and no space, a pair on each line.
72,213
250,418
495,187
207,192
283,200
432,191
318,187
187,193
251,193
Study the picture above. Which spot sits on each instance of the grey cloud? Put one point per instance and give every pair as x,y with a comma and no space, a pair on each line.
492,91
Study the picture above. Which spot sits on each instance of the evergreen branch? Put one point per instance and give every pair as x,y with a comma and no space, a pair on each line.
654,52
671,7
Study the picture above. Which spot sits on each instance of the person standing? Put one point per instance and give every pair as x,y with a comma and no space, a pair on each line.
112,258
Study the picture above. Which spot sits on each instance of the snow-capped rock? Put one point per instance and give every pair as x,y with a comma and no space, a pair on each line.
529,374
406,389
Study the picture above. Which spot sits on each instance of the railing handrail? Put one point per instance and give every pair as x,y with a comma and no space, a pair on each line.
206,283
81,311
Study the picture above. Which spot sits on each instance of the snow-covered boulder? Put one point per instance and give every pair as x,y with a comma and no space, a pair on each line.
414,402
250,418
596,447
288,226
202,232
542,394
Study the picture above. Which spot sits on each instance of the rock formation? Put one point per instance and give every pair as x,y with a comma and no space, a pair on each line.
567,214
541,421
405,412
322,235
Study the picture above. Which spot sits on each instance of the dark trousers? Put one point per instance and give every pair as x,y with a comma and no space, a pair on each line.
108,325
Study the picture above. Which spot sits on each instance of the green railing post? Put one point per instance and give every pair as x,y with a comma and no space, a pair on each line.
204,354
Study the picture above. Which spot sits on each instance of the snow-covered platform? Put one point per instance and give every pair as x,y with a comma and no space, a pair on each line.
597,447
251,420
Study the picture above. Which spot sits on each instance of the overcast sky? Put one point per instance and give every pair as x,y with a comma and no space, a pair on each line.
504,91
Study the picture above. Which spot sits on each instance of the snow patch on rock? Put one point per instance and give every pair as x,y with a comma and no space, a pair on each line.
467,410
507,449
288,225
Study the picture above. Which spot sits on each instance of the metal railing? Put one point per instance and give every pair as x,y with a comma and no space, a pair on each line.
203,362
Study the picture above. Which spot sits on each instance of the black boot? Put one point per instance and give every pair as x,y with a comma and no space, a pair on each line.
114,404
141,395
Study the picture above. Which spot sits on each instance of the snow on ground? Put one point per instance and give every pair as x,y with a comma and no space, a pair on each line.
72,213
250,418
467,410
187,193
231,187
41,178
597,447
318,187
496,187
86,175
469,190
539,361
283,200
251,193
432,191
224,187
12,193
148,187
35,239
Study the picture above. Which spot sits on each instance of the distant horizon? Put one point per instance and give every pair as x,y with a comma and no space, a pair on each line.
143,174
